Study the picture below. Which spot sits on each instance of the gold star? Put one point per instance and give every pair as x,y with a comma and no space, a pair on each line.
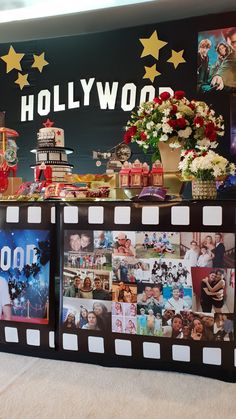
151,73
176,58
152,45
12,59
22,80
39,62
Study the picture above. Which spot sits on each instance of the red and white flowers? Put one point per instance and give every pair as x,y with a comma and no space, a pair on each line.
191,125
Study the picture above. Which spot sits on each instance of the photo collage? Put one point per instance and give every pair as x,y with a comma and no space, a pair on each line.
165,284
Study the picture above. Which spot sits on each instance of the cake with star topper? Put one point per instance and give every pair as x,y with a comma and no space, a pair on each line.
51,154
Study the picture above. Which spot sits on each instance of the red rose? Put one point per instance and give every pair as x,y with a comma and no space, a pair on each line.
172,123
179,94
127,138
192,106
129,134
143,136
157,100
210,134
181,123
204,154
173,109
132,130
210,131
198,120
165,96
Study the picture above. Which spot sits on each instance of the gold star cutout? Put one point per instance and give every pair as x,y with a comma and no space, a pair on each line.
22,80
39,62
12,59
152,45
176,58
151,73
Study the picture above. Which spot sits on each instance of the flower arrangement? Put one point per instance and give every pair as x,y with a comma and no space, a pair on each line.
205,166
191,125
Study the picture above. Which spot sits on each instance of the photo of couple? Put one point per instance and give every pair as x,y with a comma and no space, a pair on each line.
213,290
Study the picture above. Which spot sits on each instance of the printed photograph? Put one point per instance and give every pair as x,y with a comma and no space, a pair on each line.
183,325
150,297
177,298
132,270
208,250
124,243
99,259
85,284
170,272
124,309
103,239
25,275
216,61
213,290
224,327
86,314
157,244
124,318
233,125
124,293
77,241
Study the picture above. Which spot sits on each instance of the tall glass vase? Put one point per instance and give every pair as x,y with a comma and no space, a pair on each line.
204,189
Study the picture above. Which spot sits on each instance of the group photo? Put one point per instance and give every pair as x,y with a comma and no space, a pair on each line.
86,314
130,269
208,250
87,285
157,244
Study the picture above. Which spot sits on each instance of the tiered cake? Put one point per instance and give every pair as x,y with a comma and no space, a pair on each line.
51,152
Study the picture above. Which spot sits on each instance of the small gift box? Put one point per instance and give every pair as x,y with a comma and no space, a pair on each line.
157,174
136,179
124,175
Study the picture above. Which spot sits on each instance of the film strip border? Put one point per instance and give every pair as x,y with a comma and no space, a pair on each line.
197,216
30,216
141,351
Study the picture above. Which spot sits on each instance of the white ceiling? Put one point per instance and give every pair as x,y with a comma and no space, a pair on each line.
118,16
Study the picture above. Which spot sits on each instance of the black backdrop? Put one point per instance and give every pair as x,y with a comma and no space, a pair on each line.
107,57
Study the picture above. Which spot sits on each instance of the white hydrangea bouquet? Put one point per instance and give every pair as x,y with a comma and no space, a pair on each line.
205,165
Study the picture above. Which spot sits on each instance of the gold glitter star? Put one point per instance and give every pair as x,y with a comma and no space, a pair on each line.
39,62
176,58
12,59
152,45
151,73
22,80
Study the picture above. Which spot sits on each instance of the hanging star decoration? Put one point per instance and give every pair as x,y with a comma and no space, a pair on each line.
152,45
176,58
22,80
39,62
151,73
12,59
48,123
13,62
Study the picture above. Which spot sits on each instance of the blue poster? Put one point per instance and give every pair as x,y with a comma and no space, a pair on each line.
24,275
